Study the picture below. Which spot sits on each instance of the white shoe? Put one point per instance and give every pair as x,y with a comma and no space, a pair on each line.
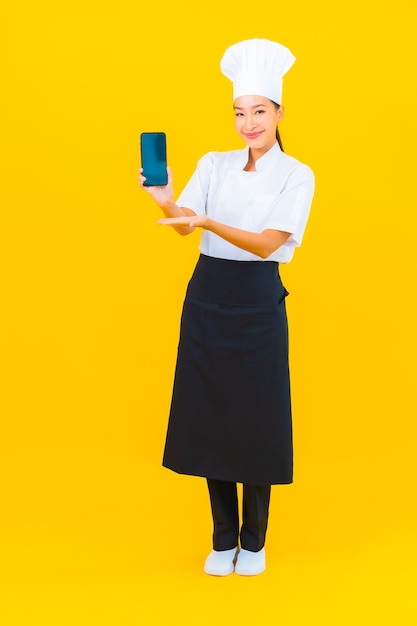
220,562
250,563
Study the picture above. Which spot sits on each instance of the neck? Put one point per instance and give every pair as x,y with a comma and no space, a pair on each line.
250,165
254,155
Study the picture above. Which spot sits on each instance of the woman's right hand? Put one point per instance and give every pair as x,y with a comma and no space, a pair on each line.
163,195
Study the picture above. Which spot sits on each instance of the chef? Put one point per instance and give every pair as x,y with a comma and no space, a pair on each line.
230,420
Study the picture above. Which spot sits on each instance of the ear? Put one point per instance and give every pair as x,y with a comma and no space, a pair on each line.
280,114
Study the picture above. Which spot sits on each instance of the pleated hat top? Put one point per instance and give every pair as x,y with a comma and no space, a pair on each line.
256,67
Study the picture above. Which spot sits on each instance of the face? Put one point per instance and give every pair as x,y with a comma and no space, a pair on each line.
256,120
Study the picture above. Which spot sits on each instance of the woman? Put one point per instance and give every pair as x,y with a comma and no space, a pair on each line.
230,419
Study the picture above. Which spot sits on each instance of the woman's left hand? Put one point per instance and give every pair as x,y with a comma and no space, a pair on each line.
195,221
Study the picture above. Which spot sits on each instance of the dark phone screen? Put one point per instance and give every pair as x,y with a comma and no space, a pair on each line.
154,158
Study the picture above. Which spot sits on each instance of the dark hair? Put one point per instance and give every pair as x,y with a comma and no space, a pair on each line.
276,105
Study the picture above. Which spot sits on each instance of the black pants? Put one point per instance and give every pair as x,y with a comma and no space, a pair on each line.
225,511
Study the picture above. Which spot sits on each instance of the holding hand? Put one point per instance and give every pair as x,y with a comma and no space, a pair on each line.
164,195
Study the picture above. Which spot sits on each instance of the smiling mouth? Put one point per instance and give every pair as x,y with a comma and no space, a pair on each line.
253,135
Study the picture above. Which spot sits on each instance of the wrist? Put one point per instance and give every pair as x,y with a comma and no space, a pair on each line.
208,225
166,204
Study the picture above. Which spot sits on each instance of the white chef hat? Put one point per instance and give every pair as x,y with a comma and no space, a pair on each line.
256,67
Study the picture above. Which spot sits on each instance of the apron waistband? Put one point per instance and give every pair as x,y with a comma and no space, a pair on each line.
242,283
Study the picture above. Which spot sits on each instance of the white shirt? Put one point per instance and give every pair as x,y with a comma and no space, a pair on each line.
277,196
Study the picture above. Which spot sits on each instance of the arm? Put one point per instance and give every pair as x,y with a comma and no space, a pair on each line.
172,210
262,244
163,197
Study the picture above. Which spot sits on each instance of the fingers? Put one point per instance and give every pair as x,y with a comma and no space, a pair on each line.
173,220
141,178
176,221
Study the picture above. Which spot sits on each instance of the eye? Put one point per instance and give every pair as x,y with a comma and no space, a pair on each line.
259,111
238,114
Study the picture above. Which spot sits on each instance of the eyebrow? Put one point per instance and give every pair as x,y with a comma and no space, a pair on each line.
255,106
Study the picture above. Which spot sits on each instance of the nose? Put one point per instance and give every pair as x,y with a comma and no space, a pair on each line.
250,122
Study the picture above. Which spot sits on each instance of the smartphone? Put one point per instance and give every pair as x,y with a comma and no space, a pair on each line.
153,148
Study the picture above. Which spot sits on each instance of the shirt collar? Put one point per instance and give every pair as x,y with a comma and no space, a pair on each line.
267,159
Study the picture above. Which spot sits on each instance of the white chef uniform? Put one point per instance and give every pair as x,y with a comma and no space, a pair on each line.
276,196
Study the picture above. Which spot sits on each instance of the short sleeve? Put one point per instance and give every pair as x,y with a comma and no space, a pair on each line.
194,195
290,209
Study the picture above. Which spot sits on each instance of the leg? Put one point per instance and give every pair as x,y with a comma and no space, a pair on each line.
251,558
255,516
224,508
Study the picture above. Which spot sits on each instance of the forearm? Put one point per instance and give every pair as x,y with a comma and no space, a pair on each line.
262,244
171,209
163,196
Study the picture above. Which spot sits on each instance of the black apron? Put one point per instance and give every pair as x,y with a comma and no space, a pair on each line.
230,414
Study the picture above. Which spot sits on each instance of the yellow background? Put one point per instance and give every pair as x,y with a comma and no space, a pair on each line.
92,529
